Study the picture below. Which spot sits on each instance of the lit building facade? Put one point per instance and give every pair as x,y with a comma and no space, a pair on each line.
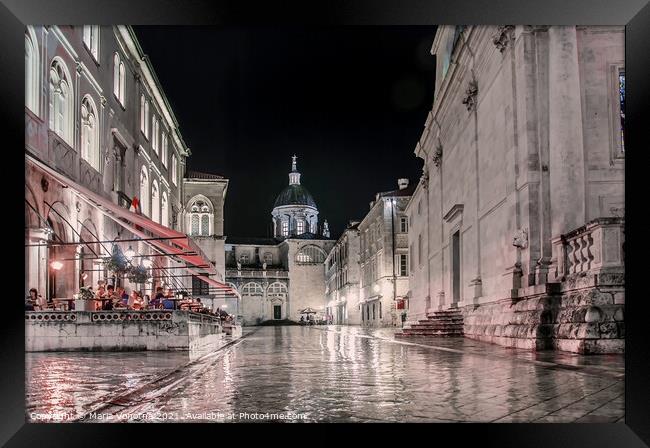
518,218
384,258
278,277
342,278
95,113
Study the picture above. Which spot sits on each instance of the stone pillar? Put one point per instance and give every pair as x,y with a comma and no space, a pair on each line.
567,165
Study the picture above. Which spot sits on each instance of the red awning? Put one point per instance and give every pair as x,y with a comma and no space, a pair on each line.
178,244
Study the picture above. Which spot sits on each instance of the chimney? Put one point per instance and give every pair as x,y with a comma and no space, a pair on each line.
402,183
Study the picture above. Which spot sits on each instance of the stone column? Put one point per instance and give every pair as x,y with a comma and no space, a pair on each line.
567,165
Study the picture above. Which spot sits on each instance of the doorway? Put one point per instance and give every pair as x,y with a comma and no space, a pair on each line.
455,263
277,312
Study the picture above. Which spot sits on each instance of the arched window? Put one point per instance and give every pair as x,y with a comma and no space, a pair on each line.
201,217
89,132
276,289
154,134
61,101
164,210
310,254
119,79
252,289
144,191
91,40
155,202
32,71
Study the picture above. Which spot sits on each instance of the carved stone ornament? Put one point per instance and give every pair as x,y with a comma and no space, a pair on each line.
503,37
470,95
425,178
437,156
78,206
44,184
102,100
79,67
520,239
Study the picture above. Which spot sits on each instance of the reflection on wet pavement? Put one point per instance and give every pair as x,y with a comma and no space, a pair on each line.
338,374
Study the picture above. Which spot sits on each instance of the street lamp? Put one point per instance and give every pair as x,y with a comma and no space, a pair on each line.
56,265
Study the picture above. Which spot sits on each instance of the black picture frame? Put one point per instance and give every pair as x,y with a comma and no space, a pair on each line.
635,14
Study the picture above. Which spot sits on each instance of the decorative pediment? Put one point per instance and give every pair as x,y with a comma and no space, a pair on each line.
453,211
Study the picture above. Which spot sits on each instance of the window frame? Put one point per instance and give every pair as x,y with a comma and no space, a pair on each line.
617,152
92,45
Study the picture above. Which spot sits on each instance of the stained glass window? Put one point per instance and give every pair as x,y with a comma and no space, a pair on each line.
621,96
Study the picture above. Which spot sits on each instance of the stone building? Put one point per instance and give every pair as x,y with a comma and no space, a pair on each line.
342,278
278,277
384,258
100,137
518,218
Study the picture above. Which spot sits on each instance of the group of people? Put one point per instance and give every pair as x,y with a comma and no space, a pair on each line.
110,298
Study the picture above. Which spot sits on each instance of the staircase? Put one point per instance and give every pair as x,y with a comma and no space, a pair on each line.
445,323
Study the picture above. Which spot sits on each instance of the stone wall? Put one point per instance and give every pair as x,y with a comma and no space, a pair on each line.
583,314
120,331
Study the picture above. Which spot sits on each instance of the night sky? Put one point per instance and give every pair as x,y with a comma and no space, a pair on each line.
349,102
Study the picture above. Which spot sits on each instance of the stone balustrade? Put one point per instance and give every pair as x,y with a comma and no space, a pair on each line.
596,247
256,273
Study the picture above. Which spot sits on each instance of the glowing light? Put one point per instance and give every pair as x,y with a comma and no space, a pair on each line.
376,288
130,253
84,276
56,265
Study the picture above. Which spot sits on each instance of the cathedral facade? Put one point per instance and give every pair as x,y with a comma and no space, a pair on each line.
280,276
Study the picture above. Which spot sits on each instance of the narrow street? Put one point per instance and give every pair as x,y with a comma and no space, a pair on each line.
331,374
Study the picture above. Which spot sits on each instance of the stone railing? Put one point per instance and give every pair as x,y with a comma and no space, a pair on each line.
595,247
257,273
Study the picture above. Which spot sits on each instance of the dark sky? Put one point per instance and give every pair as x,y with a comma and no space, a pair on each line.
349,102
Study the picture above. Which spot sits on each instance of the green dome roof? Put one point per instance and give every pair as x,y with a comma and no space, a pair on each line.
294,195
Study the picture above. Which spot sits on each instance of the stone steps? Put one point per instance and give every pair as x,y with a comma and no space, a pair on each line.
442,323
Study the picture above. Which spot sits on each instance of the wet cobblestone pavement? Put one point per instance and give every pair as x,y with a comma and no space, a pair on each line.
333,374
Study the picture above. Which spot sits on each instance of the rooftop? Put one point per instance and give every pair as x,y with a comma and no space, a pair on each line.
189,174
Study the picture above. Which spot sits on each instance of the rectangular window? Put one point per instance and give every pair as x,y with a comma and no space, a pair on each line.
621,104
403,224
91,40
420,207
300,227
420,250
285,228
403,265
164,149
373,312
174,169
380,310
411,252
455,266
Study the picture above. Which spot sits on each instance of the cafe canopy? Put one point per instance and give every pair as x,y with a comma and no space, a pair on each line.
169,241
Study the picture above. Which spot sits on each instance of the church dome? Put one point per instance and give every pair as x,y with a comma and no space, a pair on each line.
294,194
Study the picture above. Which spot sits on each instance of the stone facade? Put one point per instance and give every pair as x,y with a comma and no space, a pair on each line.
383,241
121,331
342,278
522,191
96,113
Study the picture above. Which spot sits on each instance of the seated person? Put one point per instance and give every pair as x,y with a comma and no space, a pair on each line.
157,299
133,298
167,304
